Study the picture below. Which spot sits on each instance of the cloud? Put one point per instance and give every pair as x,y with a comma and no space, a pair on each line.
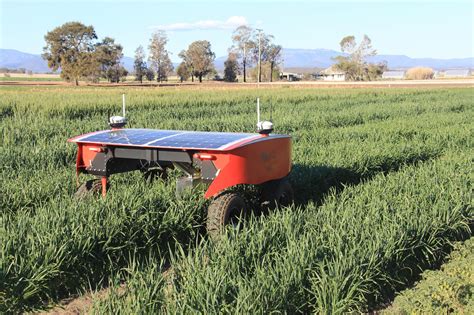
230,23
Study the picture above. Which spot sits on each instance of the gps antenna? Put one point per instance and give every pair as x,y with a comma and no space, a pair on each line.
263,127
117,122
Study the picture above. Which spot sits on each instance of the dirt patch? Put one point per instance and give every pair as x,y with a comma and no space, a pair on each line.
76,305
80,304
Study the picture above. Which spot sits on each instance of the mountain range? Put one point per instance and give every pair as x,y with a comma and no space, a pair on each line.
14,59
323,58
292,58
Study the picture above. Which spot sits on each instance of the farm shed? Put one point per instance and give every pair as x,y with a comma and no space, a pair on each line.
330,74
457,73
290,76
399,74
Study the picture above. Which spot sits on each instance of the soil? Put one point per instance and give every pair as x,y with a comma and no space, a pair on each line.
79,304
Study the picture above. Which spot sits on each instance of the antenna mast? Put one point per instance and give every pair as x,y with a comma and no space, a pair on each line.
117,122
123,105
263,127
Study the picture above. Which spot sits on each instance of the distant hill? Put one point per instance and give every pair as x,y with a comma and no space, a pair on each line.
403,62
293,58
323,58
14,59
299,58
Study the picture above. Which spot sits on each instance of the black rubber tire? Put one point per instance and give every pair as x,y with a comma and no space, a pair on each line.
89,188
224,209
277,193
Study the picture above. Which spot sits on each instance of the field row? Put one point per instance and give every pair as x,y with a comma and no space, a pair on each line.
449,290
348,255
52,246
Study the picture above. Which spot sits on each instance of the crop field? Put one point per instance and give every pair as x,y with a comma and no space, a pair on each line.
29,77
445,291
383,182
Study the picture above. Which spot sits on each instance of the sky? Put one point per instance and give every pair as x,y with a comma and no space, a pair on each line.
420,28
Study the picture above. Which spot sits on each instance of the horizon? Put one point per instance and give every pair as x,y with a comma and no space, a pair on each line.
412,34
285,48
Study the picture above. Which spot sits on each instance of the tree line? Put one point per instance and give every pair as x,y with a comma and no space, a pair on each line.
249,47
75,49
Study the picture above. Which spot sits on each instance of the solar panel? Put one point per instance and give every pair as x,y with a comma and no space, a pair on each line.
128,136
166,138
208,140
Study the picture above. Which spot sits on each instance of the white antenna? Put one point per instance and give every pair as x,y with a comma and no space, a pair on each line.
123,105
258,110
117,122
263,127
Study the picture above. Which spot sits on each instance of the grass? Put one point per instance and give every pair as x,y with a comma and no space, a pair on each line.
348,255
449,290
382,180
30,78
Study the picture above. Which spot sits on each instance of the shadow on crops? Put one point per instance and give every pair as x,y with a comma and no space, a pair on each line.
312,183
94,260
6,112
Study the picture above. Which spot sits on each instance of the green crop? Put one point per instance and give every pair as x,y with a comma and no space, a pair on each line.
449,290
383,182
347,255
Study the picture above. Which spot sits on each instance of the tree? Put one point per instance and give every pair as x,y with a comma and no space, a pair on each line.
273,57
149,74
354,63
187,61
159,56
165,69
116,73
265,74
260,50
375,71
200,57
357,53
242,46
231,68
139,64
91,69
70,47
108,54
183,71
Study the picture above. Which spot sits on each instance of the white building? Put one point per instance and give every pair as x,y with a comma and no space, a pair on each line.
330,74
457,73
393,75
